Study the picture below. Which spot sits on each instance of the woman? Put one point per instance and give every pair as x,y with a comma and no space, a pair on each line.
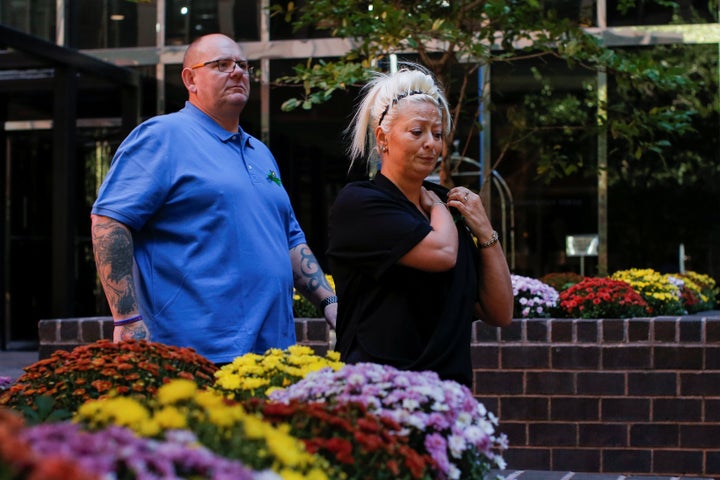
409,275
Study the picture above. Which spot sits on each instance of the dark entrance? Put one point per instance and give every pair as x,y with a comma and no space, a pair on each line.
44,91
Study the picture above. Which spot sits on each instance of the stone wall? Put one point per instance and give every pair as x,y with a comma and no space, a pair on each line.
637,396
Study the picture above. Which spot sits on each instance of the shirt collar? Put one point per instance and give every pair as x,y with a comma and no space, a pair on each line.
214,128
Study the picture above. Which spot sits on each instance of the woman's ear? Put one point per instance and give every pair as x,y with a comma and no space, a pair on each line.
380,137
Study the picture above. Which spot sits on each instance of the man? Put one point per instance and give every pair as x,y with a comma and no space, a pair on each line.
196,243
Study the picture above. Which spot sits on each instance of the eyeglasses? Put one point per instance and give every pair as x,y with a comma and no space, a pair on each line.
227,65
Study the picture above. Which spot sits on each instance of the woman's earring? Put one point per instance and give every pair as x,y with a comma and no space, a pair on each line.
383,148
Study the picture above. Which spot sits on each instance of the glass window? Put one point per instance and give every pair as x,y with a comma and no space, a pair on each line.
672,191
187,20
582,11
650,12
114,24
529,125
36,17
280,29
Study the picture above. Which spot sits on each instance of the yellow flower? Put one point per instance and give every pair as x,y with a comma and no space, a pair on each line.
170,418
175,391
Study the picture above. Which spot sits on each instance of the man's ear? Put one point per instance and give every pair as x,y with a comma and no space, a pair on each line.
188,78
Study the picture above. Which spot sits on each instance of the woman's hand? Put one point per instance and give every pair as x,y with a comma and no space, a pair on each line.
470,205
428,199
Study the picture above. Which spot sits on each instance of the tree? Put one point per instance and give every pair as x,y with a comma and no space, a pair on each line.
455,38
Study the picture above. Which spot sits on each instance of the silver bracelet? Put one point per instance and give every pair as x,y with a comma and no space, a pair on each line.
438,203
493,240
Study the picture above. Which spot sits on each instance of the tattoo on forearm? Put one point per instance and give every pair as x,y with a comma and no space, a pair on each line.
134,334
309,277
113,252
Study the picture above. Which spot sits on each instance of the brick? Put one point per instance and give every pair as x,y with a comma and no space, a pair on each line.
626,460
624,357
587,331
704,384
107,328
513,332
90,331
575,358
582,409
592,383
712,463
524,357
317,330
561,332
677,410
699,436
525,408
690,330
638,330
576,460
712,357
485,357
491,403
664,331
613,331
528,458
516,432
712,330
69,330
674,462
548,383
712,409
603,435
536,330
300,331
662,435
553,434
47,331
485,333
652,384
502,383
678,358
625,409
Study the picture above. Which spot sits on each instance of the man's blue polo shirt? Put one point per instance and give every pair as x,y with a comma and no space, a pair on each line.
212,228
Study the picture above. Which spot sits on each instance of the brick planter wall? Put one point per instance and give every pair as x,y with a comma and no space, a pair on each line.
638,396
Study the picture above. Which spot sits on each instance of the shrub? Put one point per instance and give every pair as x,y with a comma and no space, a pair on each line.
19,461
351,438
442,418
91,371
253,375
602,298
220,425
533,298
561,280
708,288
662,296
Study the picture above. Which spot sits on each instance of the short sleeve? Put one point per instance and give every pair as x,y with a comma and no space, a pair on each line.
371,229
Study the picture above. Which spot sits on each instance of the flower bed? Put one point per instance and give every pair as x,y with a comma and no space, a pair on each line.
625,294
165,417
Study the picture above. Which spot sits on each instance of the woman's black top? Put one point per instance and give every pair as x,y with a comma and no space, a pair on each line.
389,313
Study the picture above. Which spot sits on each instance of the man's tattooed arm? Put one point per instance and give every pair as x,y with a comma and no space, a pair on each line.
310,281
113,250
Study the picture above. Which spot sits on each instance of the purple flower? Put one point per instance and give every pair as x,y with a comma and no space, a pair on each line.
116,449
443,416
533,298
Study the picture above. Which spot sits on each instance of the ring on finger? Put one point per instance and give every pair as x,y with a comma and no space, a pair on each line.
465,198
